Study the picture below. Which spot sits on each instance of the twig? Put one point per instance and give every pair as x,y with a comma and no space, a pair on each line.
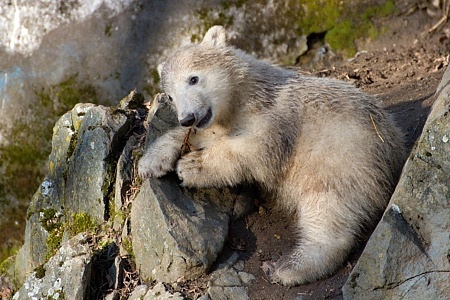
186,147
376,129
444,18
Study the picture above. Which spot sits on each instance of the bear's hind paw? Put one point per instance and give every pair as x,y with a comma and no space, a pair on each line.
268,267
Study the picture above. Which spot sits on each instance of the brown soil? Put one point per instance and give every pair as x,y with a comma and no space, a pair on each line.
403,68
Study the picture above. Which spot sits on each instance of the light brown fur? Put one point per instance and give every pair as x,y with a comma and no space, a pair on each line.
328,152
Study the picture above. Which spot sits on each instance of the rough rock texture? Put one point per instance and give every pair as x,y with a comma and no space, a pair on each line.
67,274
80,179
229,281
159,292
408,255
178,234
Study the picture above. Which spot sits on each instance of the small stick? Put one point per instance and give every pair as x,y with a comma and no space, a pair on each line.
186,147
376,129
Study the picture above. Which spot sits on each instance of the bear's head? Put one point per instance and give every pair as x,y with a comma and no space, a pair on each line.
201,80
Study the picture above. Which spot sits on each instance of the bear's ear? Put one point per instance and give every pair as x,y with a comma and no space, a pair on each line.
216,36
160,67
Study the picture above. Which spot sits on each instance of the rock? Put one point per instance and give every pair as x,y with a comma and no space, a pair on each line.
86,145
159,292
229,282
138,292
115,274
408,254
66,275
178,233
91,172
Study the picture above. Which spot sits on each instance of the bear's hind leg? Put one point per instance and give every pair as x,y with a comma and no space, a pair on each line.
326,238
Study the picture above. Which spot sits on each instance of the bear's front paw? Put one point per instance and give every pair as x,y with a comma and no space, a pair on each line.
190,169
153,166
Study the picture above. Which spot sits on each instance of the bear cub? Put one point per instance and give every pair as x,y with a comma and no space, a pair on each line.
327,152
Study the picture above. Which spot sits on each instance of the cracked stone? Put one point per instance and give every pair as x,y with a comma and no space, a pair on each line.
407,255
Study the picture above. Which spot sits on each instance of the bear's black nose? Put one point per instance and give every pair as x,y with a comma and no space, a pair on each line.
188,121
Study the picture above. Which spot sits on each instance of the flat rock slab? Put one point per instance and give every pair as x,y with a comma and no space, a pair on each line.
407,257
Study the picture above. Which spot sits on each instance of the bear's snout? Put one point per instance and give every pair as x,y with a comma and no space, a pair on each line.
199,121
188,121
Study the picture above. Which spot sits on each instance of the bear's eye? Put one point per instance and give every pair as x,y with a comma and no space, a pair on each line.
170,98
193,80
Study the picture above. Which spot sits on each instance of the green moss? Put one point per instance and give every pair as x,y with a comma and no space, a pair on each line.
341,38
383,10
343,21
108,30
316,15
50,220
53,243
347,29
75,223
128,246
6,265
40,272
80,222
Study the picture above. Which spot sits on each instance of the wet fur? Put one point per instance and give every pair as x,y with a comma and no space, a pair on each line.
328,152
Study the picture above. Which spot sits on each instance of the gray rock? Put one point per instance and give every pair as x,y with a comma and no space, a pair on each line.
407,256
49,197
91,172
138,292
177,233
67,274
115,273
229,282
86,144
159,292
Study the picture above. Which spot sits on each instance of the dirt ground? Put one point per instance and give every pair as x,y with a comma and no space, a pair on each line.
403,68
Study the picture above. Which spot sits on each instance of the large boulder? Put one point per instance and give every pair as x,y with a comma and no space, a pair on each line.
79,183
408,255
178,233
